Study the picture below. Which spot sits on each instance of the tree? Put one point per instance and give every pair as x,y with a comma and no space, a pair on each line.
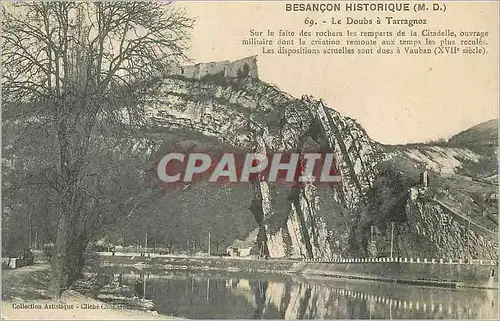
82,70
386,203
243,73
28,214
246,70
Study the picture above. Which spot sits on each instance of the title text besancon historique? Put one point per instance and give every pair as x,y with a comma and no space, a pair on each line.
348,7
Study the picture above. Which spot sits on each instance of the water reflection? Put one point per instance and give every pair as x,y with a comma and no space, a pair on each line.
220,297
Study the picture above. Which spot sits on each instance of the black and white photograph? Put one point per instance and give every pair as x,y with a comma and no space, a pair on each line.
249,160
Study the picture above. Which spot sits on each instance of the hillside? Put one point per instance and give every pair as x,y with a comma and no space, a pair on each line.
477,137
463,178
250,114
483,140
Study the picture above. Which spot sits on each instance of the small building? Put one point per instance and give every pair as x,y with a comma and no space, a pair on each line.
245,251
243,247
233,251
237,252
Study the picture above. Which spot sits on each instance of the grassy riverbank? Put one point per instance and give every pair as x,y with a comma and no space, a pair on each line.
25,296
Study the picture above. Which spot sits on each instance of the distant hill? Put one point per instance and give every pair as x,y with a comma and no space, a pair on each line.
478,137
472,153
483,140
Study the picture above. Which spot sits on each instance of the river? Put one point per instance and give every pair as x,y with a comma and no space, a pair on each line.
246,296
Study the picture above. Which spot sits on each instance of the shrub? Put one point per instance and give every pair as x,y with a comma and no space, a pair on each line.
217,78
48,250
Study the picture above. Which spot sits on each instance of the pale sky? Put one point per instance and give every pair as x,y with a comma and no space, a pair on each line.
397,99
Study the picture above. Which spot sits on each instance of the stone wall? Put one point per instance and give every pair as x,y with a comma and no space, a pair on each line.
227,68
441,234
231,69
462,274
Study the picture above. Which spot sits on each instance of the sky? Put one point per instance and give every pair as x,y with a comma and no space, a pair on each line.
397,99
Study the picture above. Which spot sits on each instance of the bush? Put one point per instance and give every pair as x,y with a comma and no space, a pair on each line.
48,250
217,78
438,142
242,74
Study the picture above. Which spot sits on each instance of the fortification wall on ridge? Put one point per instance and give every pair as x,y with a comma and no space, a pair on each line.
228,68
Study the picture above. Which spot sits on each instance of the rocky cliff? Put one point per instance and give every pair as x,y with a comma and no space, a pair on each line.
312,221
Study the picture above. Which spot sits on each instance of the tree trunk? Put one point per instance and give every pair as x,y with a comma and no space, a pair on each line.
69,256
59,256
68,189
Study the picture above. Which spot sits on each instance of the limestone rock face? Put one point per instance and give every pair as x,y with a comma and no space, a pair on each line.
309,221
445,236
